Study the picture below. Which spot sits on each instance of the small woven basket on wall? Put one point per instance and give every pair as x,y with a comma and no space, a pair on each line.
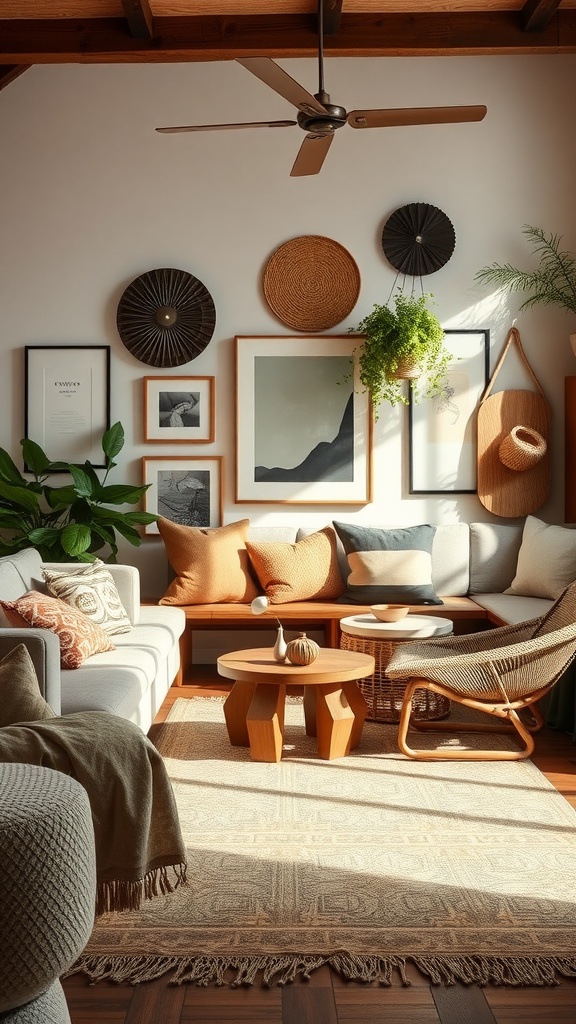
522,448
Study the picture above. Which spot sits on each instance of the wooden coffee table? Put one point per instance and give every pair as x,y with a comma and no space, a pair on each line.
334,708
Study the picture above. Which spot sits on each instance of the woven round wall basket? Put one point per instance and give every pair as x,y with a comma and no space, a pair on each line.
522,448
311,283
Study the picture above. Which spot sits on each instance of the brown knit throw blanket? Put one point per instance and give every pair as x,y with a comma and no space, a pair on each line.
139,848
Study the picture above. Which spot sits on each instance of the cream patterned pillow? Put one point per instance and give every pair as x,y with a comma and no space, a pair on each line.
91,590
306,570
79,637
546,560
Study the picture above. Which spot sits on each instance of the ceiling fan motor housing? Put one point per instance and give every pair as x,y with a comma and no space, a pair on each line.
320,124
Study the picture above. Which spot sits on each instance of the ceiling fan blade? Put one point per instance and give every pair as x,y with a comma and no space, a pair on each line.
414,115
226,127
311,155
273,76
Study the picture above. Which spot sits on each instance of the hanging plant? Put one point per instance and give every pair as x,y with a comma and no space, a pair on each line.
406,339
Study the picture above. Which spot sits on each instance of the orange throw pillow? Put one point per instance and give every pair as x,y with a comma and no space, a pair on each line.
79,636
306,570
212,565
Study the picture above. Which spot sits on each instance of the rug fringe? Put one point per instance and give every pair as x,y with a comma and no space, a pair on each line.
117,894
235,971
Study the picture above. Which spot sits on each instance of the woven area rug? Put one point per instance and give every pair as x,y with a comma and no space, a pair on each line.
363,863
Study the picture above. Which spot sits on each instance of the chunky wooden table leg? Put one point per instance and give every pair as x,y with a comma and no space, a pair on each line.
265,722
334,721
235,710
310,710
359,708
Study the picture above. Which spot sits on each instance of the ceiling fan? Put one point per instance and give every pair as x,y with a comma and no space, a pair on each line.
320,118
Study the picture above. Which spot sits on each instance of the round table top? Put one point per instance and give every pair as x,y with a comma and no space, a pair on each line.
408,628
331,666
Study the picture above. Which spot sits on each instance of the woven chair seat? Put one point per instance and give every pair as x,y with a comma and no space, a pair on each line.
500,671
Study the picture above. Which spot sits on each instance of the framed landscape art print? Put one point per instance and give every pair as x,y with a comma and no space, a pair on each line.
303,422
186,489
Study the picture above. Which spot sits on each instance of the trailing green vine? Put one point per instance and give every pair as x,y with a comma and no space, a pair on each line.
409,332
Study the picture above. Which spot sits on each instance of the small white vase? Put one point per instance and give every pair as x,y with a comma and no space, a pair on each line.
279,651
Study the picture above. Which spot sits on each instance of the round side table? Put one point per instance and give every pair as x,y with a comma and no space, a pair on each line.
365,634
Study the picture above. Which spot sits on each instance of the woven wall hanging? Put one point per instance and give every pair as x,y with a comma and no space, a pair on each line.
513,444
311,283
166,317
418,239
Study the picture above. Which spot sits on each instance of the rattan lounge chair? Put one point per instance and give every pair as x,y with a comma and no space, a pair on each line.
500,672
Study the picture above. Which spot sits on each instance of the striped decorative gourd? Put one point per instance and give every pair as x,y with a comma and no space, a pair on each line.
302,650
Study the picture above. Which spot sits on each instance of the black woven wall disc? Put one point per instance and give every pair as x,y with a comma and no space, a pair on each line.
418,239
166,317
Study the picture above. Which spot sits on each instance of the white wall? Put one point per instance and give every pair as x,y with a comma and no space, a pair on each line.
91,197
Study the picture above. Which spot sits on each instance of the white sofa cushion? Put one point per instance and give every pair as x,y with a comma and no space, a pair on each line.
546,560
511,609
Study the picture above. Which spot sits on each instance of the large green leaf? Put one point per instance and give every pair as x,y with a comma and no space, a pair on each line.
44,535
141,518
75,538
60,497
35,457
8,471
120,494
113,440
83,483
9,520
21,497
131,535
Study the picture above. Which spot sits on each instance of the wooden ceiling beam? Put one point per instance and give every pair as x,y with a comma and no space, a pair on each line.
8,72
107,40
537,14
140,18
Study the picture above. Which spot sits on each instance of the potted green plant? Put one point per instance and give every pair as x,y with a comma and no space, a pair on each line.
403,342
552,283
73,522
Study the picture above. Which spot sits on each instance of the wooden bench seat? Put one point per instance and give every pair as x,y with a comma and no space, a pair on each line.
308,615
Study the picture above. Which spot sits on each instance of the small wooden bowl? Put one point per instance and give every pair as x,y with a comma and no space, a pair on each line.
390,612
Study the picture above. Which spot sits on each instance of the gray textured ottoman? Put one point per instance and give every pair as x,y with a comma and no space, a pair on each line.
47,889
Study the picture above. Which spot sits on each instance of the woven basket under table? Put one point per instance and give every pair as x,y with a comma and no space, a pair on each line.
384,696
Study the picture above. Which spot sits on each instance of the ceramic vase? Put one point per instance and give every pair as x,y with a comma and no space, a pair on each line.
279,651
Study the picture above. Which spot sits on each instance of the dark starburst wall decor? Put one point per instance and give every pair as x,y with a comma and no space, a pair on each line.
166,317
418,239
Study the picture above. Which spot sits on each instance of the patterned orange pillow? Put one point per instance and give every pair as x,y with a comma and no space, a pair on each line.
79,636
306,570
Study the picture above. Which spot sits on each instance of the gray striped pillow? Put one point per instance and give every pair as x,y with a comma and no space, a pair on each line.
388,566
91,590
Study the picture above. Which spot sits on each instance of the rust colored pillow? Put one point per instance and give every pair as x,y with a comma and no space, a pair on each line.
212,565
306,570
79,636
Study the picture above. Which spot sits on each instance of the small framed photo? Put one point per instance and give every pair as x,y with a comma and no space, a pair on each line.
179,409
185,489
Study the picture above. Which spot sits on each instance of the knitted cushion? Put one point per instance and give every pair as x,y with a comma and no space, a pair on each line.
91,590
49,1008
47,878
79,636
307,570
546,560
388,565
20,697
212,565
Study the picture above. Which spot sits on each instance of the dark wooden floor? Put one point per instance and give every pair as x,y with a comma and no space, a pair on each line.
325,999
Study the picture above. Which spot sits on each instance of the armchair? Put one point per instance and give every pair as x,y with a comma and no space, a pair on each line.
499,672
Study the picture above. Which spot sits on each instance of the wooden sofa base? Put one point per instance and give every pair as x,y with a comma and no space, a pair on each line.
468,617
